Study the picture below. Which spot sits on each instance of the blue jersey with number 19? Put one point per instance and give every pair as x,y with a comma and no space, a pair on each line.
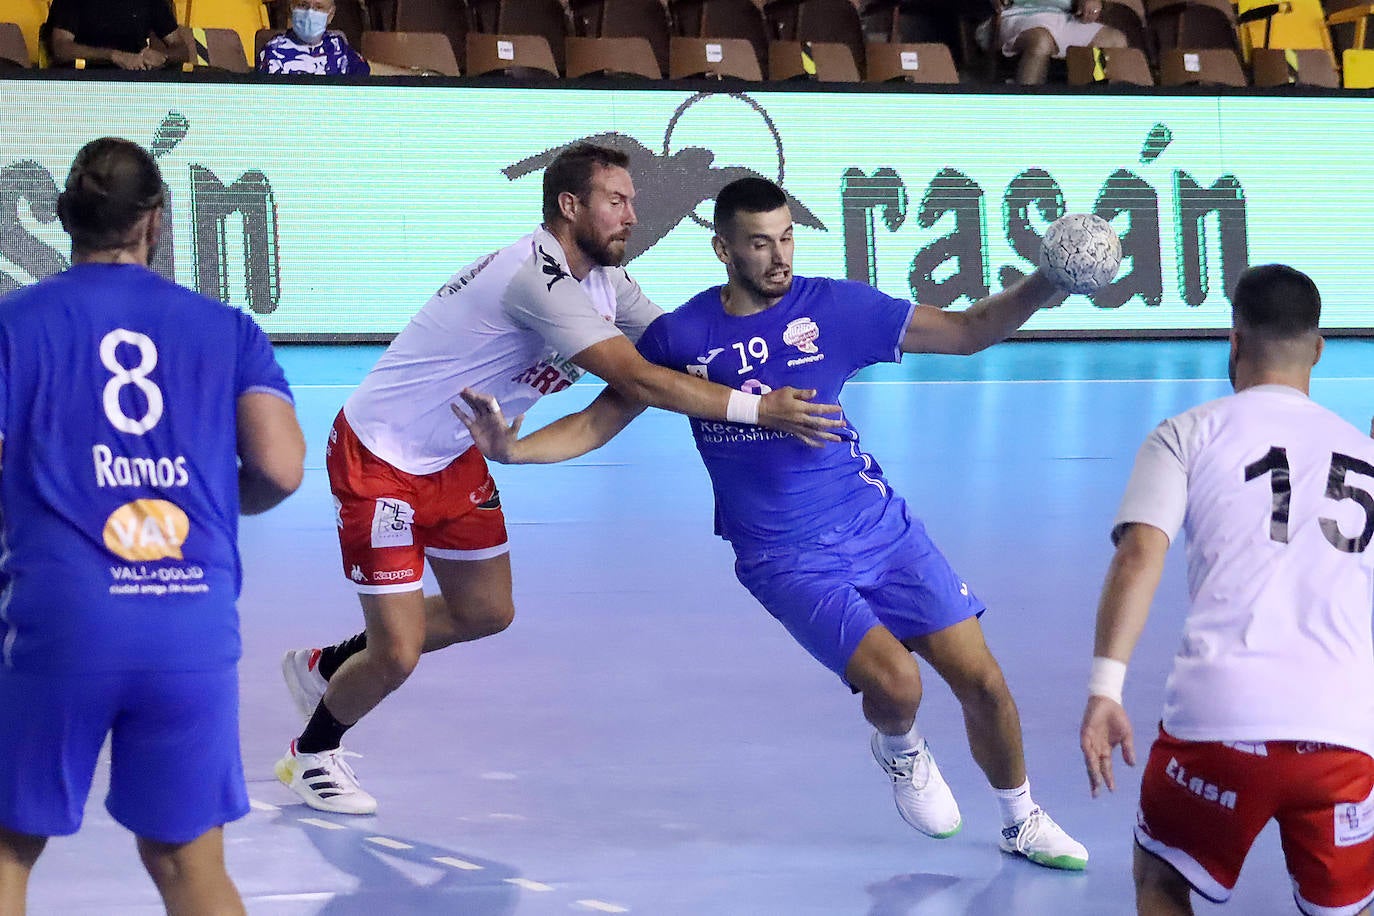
771,488
118,397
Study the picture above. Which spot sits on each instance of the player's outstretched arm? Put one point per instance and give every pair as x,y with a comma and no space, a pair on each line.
1132,579
271,450
788,410
987,321
576,434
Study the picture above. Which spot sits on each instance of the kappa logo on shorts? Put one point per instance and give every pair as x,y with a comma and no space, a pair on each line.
357,574
391,524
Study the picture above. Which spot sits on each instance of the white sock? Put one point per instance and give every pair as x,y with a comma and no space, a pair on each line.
901,745
1016,804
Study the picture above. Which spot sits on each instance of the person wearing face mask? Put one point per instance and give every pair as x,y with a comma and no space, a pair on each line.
309,47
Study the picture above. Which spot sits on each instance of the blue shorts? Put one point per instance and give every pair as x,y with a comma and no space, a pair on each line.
175,768
879,569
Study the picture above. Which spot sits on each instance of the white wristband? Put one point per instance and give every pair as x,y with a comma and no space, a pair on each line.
1107,679
743,408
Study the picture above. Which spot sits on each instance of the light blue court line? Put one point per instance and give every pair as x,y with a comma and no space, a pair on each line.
983,381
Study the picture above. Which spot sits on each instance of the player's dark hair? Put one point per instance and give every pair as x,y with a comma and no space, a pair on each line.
111,185
1276,302
572,170
746,195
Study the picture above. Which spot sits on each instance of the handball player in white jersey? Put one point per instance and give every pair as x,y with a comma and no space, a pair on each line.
410,487
1269,711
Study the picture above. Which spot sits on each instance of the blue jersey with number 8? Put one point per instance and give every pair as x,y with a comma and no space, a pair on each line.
119,487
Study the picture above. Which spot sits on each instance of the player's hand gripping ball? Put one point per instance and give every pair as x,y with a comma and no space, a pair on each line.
1080,253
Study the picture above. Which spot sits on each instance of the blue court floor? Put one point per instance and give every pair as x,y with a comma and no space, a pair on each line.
646,739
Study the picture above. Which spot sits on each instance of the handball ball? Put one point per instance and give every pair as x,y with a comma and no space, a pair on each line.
1080,253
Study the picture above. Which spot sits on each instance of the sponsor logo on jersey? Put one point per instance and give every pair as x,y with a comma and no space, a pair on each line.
391,524
393,575
754,386
696,369
147,529
453,286
113,470
802,333
1202,788
1355,822
550,375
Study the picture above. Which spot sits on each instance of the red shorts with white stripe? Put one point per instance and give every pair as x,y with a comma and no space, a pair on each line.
389,521
1203,803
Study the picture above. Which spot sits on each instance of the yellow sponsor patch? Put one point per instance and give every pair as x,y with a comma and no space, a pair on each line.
147,529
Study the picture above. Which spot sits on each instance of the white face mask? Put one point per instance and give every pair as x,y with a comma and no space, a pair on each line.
309,24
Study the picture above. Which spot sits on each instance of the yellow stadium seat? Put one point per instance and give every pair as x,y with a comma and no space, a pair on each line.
29,15
243,16
1296,25
1358,68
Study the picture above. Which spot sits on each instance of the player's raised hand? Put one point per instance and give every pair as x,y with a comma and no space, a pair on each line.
1105,725
793,410
487,425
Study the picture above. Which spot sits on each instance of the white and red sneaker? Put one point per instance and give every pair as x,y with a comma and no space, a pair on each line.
300,668
325,781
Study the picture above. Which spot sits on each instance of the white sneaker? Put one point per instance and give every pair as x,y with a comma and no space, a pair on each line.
922,795
1044,842
300,668
325,781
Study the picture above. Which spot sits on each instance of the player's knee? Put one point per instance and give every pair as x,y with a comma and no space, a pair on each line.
492,617
1037,43
1109,37
171,864
981,685
897,688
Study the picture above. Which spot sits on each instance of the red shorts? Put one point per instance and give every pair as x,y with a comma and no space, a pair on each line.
389,521
1203,803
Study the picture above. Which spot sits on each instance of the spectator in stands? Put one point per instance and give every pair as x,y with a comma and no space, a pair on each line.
114,32
1037,30
308,46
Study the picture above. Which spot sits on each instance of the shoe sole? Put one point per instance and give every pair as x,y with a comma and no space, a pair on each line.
1062,863
299,693
282,769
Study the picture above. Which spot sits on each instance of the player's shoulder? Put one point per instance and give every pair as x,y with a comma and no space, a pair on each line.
696,310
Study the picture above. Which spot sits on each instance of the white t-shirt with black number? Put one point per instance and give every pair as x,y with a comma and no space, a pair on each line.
1276,498
507,326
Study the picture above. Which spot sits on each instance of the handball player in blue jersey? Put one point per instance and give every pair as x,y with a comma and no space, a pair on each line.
139,420
820,539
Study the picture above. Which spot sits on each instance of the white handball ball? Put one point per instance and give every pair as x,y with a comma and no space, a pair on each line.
1080,253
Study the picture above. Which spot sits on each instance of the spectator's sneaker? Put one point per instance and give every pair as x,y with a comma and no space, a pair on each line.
300,668
1044,842
325,781
922,795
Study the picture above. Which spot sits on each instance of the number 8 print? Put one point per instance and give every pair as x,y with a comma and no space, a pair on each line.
135,375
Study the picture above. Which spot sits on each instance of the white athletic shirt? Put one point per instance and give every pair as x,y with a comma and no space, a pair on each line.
1274,494
506,326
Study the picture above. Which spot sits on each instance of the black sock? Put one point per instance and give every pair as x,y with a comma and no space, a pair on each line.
331,657
322,733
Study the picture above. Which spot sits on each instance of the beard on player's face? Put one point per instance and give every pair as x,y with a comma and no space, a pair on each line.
606,249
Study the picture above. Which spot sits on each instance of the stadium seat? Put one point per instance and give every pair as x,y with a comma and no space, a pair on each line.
716,20
617,19
215,49
1273,67
447,17
425,53
715,58
14,51
818,21
1200,66
611,57
1298,25
29,15
1111,66
1128,18
548,19
1191,24
1357,63
243,16
513,55
826,61
912,63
